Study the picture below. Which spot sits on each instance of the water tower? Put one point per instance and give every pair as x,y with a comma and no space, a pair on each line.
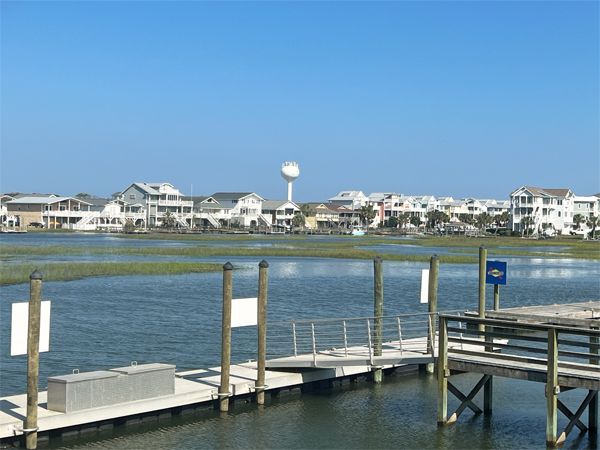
290,172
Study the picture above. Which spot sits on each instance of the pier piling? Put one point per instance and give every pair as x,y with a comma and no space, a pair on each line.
263,278
482,262
378,313
33,359
434,265
226,338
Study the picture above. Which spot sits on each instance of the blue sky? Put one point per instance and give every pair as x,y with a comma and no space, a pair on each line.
467,99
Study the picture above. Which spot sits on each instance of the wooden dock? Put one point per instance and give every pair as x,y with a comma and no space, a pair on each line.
556,345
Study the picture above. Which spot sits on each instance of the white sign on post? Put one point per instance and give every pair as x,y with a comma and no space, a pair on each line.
425,286
244,312
20,327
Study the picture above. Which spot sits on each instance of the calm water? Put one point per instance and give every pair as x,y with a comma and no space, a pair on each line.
99,323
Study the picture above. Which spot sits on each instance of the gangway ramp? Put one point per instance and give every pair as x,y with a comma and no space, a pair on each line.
365,341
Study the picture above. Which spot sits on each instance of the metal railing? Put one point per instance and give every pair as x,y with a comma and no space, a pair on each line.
370,336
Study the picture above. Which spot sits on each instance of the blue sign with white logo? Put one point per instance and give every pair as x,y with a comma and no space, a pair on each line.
495,272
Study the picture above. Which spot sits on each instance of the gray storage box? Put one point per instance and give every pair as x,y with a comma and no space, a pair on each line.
145,381
68,393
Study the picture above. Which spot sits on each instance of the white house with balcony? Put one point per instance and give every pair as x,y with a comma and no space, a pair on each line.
246,208
159,199
51,211
548,208
586,206
350,199
281,213
208,212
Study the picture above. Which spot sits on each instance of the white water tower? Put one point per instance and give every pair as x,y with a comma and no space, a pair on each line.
290,172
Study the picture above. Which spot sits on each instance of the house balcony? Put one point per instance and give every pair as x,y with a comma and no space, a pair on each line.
175,203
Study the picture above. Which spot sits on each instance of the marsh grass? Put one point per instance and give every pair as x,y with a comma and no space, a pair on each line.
67,271
202,252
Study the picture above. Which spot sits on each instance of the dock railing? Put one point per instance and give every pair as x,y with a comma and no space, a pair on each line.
562,357
353,336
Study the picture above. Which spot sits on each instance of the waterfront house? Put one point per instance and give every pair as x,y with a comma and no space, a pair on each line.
281,213
548,208
323,216
351,199
52,211
246,208
208,212
157,200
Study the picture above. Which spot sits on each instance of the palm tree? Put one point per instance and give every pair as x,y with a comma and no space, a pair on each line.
168,220
466,218
403,219
526,222
437,218
483,220
577,220
298,220
592,223
367,214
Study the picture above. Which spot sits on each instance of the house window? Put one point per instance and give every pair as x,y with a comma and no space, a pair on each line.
48,208
559,214
62,208
75,208
132,196
559,202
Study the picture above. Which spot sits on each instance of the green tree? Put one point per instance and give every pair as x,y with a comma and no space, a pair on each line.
83,196
168,220
526,222
403,219
578,219
466,218
415,221
129,226
483,220
502,219
392,222
592,223
436,217
298,220
367,214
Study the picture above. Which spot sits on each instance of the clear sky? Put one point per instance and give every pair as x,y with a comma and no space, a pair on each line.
462,99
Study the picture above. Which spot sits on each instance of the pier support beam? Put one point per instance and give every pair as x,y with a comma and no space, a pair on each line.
263,278
378,313
552,390
226,338
434,265
442,372
482,263
33,359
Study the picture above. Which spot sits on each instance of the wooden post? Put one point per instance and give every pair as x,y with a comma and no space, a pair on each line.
551,389
496,297
442,364
378,312
593,406
434,265
482,263
33,358
263,278
226,338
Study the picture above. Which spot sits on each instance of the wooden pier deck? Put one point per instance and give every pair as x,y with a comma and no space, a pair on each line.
556,345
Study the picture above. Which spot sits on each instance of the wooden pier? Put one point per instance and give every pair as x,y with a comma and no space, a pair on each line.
556,345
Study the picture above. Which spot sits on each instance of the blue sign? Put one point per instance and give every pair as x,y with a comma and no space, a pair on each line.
495,272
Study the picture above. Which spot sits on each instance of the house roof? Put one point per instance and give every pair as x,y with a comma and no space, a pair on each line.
45,200
347,195
35,194
544,192
228,196
277,204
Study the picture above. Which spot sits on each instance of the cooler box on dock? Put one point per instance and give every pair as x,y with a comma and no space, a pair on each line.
145,381
68,393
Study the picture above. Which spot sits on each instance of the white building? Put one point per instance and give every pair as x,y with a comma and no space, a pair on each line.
549,208
246,208
351,199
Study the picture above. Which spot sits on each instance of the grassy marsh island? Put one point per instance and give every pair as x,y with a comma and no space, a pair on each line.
67,271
